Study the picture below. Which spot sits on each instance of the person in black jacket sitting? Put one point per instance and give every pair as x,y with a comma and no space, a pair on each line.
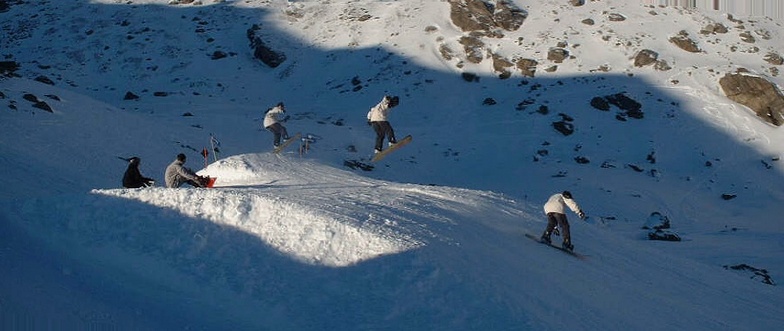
133,177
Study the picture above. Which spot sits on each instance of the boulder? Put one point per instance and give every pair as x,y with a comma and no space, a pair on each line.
262,51
774,58
527,67
474,48
557,54
685,43
479,15
645,57
762,96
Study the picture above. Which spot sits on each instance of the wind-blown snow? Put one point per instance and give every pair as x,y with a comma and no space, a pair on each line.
433,237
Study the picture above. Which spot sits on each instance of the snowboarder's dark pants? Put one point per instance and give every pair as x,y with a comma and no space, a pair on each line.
559,219
383,128
277,130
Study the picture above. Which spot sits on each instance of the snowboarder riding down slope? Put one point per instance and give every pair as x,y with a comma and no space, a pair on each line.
272,123
377,118
176,174
133,177
554,208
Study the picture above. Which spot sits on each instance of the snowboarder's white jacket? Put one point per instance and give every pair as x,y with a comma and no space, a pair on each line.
379,112
557,202
271,117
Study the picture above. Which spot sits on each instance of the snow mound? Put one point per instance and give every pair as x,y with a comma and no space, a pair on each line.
293,224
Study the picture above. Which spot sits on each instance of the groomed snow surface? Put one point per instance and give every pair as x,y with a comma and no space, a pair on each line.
433,237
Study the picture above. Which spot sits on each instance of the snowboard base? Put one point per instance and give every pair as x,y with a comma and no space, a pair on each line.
400,143
287,143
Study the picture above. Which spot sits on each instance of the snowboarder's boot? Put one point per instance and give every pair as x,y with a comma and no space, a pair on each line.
545,238
567,245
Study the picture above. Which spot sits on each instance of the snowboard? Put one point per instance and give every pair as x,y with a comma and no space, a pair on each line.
572,253
390,149
287,142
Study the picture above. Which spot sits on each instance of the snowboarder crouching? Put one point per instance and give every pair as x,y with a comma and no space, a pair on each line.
272,123
554,208
377,118
133,177
176,174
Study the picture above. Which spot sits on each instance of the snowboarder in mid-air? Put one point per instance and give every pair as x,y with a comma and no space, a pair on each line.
133,177
177,174
272,122
377,118
554,208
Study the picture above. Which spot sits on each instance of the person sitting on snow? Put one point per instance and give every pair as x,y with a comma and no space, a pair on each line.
176,174
133,177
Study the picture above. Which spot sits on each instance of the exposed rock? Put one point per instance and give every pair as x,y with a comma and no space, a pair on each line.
756,272
470,77
600,104
527,67
501,65
564,127
662,65
762,96
37,103
714,28
489,102
616,17
44,79
474,48
508,16
685,43
645,57
446,52
588,21
577,3
747,37
557,55
263,52
663,235
130,96
217,55
774,58
478,15
8,68
658,224
657,221
631,108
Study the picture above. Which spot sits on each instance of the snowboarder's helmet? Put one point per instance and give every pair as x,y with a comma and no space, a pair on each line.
567,194
134,160
181,157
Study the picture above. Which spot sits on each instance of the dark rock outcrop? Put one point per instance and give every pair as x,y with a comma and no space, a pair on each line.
262,51
479,15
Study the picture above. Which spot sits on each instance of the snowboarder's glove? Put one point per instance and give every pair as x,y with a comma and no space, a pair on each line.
581,214
556,231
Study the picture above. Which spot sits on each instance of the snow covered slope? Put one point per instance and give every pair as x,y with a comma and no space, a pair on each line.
432,237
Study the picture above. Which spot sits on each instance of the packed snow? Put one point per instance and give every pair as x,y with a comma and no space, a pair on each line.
433,237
